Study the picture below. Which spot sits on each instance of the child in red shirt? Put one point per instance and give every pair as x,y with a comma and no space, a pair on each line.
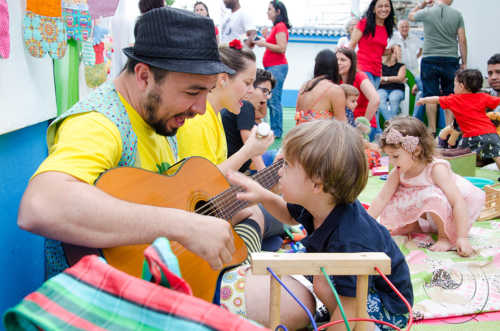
469,108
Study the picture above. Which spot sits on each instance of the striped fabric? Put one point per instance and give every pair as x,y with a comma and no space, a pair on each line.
92,295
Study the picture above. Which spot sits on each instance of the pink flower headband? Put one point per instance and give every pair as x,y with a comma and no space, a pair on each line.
408,143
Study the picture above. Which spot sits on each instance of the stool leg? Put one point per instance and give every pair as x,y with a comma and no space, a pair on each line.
362,295
274,307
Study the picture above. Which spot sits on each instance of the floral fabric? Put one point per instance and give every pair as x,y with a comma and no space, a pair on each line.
44,34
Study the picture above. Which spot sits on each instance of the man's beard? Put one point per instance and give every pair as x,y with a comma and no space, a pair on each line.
151,106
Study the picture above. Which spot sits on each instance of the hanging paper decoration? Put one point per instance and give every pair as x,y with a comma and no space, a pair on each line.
4,30
101,8
77,18
88,55
44,30
99,34
98,73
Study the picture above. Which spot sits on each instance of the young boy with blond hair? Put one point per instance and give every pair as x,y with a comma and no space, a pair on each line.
351,101
325,170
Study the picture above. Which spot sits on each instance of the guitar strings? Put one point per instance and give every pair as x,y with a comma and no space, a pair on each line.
223,197
228,197
264,176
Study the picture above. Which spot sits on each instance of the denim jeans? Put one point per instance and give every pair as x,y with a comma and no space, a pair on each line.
438,75
374,79
389,102
275,108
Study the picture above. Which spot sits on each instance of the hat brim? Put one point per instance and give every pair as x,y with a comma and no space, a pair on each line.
201,67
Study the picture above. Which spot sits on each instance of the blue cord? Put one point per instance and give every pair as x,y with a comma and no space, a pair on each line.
313,322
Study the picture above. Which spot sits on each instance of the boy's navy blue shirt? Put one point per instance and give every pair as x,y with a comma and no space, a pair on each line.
350,229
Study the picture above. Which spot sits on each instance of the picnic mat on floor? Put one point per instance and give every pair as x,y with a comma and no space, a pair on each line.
468,326
445,284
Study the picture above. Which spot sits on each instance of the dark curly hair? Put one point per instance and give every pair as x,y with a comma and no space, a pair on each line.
264,76
471,78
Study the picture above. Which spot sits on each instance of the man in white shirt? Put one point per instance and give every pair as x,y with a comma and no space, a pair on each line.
410,46
238,25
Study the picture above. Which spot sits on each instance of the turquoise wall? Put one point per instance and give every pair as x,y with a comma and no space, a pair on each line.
21,257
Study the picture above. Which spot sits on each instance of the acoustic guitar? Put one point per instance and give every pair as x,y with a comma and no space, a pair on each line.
194,184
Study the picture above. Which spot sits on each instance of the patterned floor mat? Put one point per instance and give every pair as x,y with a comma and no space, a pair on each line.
446,284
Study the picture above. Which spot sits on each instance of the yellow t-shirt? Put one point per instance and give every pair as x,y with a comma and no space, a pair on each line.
88,144
203,136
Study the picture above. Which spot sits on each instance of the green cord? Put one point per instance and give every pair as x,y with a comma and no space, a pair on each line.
288,232
336,298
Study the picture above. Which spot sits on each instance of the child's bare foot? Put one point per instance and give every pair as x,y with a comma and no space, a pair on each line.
464,248
442,245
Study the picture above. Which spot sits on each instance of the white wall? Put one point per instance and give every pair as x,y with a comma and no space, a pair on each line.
27,92
481,27
300,58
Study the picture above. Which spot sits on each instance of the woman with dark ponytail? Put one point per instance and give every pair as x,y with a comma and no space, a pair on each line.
371,35
322,97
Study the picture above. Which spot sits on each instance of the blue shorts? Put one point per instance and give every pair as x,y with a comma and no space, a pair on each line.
376,310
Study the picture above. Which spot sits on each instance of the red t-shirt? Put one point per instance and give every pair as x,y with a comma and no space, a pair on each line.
362,100
272,58
216,31
371,49
470,111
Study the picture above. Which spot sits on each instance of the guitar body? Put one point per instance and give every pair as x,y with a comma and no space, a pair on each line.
194,182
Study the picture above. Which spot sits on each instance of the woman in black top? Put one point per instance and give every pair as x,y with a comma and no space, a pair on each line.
392,87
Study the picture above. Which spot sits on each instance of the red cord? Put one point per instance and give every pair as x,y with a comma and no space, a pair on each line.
410,311
359,320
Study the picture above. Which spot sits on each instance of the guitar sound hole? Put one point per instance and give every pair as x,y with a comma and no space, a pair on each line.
205,208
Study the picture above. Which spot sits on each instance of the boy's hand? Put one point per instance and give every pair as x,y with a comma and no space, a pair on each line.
253,192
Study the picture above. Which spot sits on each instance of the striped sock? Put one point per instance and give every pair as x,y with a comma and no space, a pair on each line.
249,231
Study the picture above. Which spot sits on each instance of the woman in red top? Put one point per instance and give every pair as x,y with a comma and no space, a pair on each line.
274,60
201,8
370,35
368,100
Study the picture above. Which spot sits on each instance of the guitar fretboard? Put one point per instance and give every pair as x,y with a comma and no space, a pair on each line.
225,205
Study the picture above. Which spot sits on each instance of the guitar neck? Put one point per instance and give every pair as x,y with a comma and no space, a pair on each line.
226,204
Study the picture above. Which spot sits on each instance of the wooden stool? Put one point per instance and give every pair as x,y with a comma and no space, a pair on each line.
360,264
491,208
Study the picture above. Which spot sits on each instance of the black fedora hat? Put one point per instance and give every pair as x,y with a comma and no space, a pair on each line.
177,40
